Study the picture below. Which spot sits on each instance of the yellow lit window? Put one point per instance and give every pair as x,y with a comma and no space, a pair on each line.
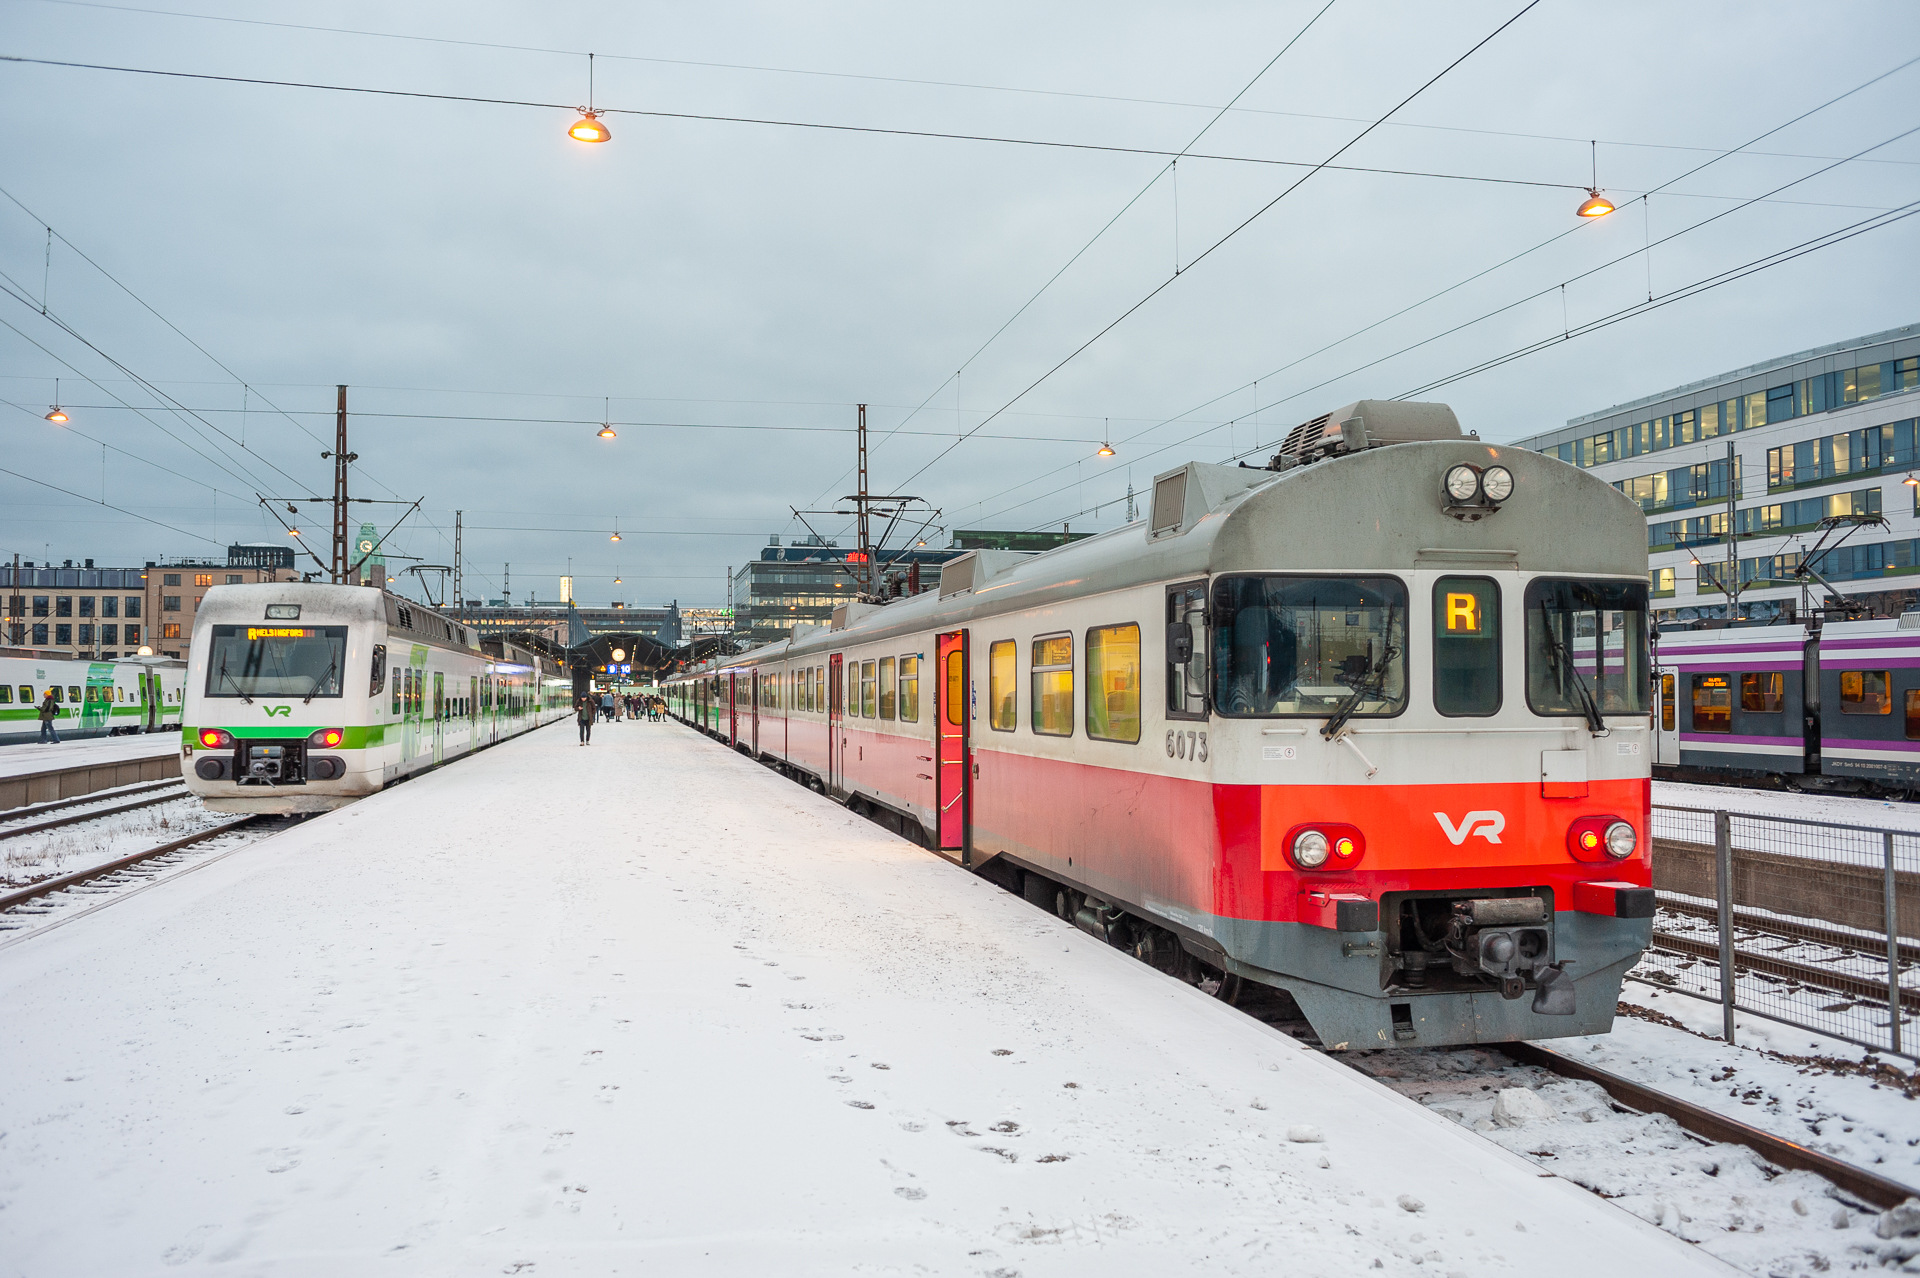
1865,692
866,690
1113,683
886,687
909,689
1052,705
1001,677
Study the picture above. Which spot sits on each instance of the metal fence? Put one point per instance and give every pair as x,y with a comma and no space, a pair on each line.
1809,923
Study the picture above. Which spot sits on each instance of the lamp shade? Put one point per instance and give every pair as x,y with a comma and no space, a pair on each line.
589,128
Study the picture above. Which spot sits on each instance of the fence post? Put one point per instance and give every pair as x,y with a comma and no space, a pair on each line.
1723,891
1893,943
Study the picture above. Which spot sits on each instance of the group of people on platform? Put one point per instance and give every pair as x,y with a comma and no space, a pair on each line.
610,706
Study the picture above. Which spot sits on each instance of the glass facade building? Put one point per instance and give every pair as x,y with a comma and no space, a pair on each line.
1793,441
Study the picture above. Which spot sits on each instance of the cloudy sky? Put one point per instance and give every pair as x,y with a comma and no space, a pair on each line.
726,290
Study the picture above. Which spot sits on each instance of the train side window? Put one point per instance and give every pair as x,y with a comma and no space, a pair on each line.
1187,651
73,693
1113,683
887,690
6,694
1913,714
910,689
26,694
1712,703
1865,692
1052,696
1466,646
820,689
1666,703
1762,693
866,690
377,682
1000,684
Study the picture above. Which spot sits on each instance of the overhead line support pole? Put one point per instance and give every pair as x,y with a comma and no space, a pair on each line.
866,551
340,559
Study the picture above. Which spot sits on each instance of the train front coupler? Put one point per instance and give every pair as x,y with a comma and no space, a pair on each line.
1509,940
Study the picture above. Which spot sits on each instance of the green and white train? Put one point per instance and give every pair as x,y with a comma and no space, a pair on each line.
303,697
96,698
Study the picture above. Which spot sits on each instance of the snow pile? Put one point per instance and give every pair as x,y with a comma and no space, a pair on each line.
645,1006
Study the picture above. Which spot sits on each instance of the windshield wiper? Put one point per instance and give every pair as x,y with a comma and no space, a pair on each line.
1558,654
321,682
1374,682
236,686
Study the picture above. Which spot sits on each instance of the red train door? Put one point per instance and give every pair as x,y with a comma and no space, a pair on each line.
836,706
954,793
755,712
733,709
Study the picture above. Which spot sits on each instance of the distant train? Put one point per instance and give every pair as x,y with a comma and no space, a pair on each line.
96,698
304,697
1834,707
1366,726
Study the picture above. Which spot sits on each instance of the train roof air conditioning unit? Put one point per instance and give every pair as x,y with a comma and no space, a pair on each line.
1366,423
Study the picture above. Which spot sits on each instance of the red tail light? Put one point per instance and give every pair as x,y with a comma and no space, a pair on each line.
327,737
215,738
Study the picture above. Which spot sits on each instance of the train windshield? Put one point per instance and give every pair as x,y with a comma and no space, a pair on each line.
1309,646
1587,647
276,661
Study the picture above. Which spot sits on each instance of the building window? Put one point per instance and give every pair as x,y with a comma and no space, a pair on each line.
133,634
1761,693
1001,678
86,605
41,605
110,605
1865,692
85,639
203,579
109,634
133,605
169,603
63,636
910,689
170,631
40,634
887,689
1113,683
1660,580
63,605
1052,703
1712,703
170,579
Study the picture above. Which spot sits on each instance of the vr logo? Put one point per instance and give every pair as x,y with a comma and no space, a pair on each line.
1485,824
288,710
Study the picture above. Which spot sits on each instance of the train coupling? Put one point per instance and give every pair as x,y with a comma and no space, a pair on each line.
1510,939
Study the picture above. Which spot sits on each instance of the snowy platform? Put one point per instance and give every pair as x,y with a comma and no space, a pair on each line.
645,1007
84,752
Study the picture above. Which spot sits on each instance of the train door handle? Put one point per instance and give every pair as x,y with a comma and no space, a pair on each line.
976,770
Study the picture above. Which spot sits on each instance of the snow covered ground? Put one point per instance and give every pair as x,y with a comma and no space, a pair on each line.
1879,813
74,752
30,858
647,1006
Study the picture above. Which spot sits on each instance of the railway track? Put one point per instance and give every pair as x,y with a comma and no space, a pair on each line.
1788,969
174,790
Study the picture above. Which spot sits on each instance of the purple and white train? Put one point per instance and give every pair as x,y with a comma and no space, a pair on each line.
1835,706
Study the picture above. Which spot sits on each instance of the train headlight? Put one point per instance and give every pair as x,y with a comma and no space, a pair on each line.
1621,840
1309,849
1496,483
215,738
1602,839
1462,483
327,738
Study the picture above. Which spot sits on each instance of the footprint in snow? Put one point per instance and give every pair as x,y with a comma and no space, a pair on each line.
912,1193
861,1104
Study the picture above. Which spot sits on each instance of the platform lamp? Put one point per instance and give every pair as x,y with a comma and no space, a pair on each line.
1596,205
56,414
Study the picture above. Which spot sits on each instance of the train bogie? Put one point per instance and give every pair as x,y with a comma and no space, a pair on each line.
1373,730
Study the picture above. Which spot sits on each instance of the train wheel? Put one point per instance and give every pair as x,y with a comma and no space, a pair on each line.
1221,985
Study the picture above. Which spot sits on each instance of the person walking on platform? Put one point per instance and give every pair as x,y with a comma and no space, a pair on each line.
585,713
49,711
606,704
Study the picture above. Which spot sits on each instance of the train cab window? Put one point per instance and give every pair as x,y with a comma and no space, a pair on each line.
1666,703
1762,693
887,689
910,689
1913,714
1466,646
1309,646
866,690
1001,678
276,661
1051,702
1865,692
378,681
1712,703
1587,647
1113,683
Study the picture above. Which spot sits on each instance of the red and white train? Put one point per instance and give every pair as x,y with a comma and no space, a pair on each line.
1370,726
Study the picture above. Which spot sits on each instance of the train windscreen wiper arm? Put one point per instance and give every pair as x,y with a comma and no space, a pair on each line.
1562,658
235,682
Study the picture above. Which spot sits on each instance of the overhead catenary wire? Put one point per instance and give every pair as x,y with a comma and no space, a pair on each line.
110,506
1250,219
893,79
1458,284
